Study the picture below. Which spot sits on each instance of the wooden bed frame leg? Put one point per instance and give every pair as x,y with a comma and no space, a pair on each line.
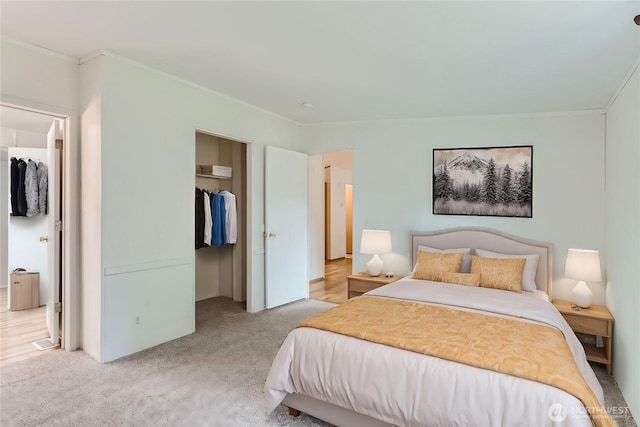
294,412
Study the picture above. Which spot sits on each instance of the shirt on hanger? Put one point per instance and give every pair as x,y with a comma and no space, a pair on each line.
218,232
231,217
208,222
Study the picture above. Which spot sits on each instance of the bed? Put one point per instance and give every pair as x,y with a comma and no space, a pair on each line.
348,381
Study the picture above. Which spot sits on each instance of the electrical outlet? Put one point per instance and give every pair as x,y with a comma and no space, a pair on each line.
138,320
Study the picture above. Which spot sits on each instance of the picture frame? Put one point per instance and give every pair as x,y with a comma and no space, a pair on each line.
483,181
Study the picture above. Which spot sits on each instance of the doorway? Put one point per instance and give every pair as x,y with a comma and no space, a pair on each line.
338,178
221,174
331,186
31,240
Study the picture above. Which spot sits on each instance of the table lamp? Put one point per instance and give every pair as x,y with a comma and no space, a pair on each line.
375,242
583,265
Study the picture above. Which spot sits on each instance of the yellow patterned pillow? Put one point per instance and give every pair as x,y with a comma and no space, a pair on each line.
433,266
499,273
467,279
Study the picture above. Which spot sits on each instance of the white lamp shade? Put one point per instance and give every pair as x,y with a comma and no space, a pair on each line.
583,264
375,242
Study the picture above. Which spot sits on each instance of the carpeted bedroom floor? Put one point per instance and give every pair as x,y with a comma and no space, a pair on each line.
214,377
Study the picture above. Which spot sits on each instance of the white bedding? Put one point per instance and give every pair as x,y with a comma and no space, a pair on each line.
538,294
410,389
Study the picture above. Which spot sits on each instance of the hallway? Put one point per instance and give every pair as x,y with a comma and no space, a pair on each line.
333,288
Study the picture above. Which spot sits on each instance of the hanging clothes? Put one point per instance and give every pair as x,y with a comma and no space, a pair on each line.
208,222
15,178
22,197
218,230
199,208
216,218
43,187
231,217
31,188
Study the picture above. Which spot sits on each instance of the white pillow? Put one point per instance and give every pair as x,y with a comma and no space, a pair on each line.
528,272
465,267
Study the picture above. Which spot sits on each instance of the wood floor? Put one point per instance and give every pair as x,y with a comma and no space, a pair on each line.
333,288
18,329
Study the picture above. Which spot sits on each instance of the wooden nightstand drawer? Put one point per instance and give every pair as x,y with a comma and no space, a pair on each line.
362,286
361,282
587,325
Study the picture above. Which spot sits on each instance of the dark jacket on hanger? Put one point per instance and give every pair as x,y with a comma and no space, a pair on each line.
199,218
22,196
15,177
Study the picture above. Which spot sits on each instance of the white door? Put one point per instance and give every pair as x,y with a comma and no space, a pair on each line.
55,228
286,226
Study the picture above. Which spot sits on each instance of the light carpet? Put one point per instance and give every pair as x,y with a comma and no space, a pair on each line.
213,377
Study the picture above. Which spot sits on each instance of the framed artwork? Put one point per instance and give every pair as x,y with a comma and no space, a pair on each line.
490,181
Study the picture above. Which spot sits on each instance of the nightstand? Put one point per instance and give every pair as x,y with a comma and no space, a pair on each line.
360,283
595,320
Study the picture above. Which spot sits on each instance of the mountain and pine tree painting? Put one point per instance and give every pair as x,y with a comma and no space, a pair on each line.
494,181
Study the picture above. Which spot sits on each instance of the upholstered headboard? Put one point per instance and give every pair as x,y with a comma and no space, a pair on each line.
491,240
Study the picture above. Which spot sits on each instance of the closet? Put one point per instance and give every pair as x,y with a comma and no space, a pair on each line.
222,270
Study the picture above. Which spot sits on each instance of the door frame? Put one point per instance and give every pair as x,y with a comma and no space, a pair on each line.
70,188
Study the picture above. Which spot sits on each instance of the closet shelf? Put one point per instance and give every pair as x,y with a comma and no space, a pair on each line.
204,175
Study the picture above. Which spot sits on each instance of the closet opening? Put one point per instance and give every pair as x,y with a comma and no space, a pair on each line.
32,279
220,237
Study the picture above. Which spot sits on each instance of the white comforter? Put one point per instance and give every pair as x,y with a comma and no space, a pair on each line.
410,389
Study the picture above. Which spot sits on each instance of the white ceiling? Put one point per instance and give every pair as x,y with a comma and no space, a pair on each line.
360,60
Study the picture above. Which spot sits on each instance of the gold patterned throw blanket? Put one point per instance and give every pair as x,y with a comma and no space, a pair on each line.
526,350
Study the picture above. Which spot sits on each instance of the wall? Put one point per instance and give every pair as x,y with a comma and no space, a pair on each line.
91,219
147,129
22,138
393,179
623,237
25,250
38,75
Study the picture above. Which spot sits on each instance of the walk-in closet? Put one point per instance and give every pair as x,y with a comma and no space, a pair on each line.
220,260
